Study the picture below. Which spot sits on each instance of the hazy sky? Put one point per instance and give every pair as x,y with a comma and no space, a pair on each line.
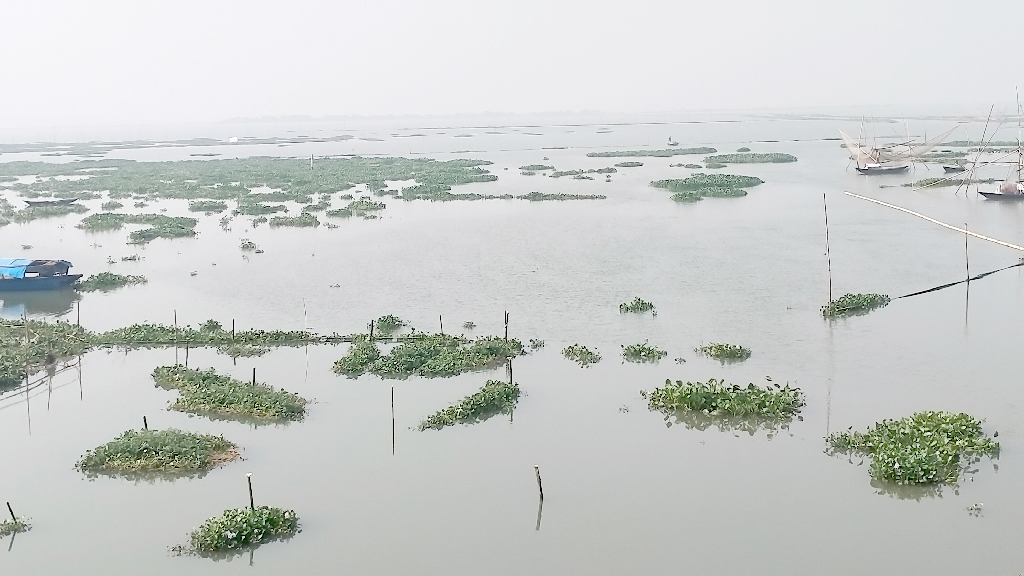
113,62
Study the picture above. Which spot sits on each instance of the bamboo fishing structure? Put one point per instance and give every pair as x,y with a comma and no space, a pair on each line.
934,221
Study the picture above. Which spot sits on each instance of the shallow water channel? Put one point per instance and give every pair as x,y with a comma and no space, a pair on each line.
624,492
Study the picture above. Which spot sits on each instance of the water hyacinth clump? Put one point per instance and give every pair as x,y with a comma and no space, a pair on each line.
427,355
168,451
216,395
642,353
19,524
854,304
495,397
714,403
747,157
723,352
581,355
106,281
209,206
536,167
160,226
541,197
926,448
303,220
242,528
629,164
248,245
637,306
701,181
390,323
358,359
111,205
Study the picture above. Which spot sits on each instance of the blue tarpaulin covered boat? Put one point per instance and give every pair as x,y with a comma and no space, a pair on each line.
17,274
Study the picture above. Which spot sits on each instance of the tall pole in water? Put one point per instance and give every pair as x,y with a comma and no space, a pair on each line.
828,254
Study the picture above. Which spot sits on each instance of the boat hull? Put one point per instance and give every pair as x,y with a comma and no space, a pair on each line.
38,283
953,169
1002,197
883,170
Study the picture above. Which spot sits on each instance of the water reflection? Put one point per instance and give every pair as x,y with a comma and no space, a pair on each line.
698,420
38,303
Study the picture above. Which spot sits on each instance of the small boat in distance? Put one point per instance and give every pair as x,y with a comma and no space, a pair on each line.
882,169
18,274
672,142
953,169
42,203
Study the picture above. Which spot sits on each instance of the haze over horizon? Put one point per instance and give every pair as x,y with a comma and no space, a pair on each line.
117,63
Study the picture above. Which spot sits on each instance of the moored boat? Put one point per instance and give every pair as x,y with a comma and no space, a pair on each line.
42,203
953,169
19,274
869,169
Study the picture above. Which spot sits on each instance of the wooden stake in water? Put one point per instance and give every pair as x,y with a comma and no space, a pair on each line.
372,322
232,330
78,309
12,513
506,324
252,503
828,254
254,376
440,321
540,486
145,425
392,420
967,258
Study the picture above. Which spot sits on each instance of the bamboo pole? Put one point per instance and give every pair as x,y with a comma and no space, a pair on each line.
828,252
943,224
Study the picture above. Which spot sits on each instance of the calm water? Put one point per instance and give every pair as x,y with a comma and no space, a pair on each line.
624,493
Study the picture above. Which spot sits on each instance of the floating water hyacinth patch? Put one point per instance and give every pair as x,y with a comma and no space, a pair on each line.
750,158
107,281
170,452
637,306
926,448
19,524
701,405
854,305
581,355
700,181
642,353
211,206
495,397
723,352
111,205
303,220
242,529
390,323
541,197
428,355
629,164
218,396
536,167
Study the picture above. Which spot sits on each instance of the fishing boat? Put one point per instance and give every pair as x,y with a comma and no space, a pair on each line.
1011,189
875,168
43,203
18,274
953,169
891,159
672,142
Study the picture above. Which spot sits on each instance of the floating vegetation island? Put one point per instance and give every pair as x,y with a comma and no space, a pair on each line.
218,396
390,323
495,397
751,158
107,281
642,353
637,306
926,448
168,452
536,167
724,352
700,185
854,305
241,529
701,405
543,197
427,355
303,220
160,226
667,153
581,355
629,164
215,206
19,524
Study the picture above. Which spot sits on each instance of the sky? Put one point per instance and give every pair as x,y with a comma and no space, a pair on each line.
107,62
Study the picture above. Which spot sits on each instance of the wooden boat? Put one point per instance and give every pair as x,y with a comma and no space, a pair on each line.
42,203
873,169
17,274
1002,197
954,169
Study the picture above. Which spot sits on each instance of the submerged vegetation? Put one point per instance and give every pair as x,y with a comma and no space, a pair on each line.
243,528
107,281
750,158
723,352
701,405
642,353
495,397
637,306
581,355
427,355
854,304
215,395
655,153
926,448
164,451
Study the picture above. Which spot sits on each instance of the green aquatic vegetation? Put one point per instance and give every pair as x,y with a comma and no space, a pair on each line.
582,177
527,173
751,158
19,524
111,205
495,397
701,405
629,164
561,173
581,355
743,149
693,196
709,192
440,355
701,181
248,245
541,197
358,208
216,395
536,344
243,528
323,204
946,182
303,220
724,352
257,209
642,353
714,165
389,323
469,325
38,212
692,166
536,167
207,206
26,351
360,356
854,305
160,226
165,451
637,306
160,335
925,448
107,281
655,153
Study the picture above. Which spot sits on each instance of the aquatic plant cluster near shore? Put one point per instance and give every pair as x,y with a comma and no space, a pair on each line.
427,355
926,448
637,306
216,395
495,397
715,403
166,451
854,304
107,281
